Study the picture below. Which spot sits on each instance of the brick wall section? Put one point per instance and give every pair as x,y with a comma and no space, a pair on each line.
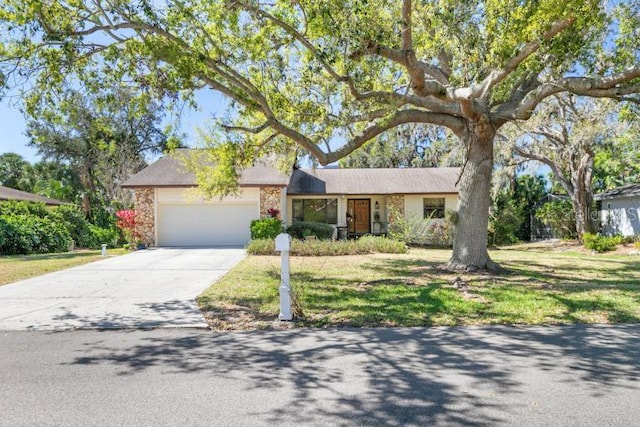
145,220
270,197
395,206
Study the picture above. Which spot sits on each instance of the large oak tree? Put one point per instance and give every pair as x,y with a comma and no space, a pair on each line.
566,135
318,72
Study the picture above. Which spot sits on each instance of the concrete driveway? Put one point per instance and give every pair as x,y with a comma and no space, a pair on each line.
144,289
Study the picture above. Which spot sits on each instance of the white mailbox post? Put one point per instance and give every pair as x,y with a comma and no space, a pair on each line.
283,244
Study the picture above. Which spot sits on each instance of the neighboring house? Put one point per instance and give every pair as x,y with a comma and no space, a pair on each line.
620,211
361,200
7,193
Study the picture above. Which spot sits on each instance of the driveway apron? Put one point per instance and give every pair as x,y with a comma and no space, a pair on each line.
145,289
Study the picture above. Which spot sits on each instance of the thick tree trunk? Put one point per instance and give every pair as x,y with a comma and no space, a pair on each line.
582,213
470,235
582,199
581,194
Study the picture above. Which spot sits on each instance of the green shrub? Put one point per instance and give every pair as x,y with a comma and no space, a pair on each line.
4,232
559,216
13,207
26,234
101,236
266,228
364,245
383,245
413,229
262,247
73,219
505,221
301,229
599,243
627,240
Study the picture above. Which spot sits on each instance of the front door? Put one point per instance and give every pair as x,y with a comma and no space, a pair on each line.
360,212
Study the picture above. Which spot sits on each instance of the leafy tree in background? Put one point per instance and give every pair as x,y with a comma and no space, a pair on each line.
412,145
316,72
566,134
102,136
56,180
46,178
557,214
14,172
513,208
618,163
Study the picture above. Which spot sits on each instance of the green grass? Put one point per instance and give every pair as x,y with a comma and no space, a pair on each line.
539,286
19,267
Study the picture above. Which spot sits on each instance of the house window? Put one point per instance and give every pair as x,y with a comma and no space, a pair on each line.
433,208
317,210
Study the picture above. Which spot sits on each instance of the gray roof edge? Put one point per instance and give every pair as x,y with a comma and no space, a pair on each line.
624,191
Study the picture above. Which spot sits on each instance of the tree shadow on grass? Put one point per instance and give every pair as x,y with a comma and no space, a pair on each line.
450,376
573,287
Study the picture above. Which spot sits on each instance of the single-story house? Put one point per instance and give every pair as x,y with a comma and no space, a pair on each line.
361,200
7,193
620,210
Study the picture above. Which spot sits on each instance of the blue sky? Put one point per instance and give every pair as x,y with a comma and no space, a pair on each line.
13,139
13,124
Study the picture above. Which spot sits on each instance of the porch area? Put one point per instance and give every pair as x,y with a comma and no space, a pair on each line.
352,215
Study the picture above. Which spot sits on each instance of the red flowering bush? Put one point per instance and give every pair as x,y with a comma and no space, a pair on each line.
273,212
127,223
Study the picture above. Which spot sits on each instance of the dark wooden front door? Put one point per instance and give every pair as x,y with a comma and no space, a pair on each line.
360,213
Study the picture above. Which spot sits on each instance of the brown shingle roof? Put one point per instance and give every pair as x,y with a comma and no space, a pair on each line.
7,193
374,181
169,172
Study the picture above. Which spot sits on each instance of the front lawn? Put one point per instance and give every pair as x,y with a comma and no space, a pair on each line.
539,286
19,267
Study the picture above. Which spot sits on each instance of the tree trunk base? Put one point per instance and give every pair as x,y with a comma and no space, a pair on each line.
471,268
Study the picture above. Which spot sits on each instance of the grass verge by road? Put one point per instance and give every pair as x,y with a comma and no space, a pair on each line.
539,286
19,267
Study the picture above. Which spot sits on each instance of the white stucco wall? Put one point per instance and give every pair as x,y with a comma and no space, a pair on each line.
189,195
621,216
414,204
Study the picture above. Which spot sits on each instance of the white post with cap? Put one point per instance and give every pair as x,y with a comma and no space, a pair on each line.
283,244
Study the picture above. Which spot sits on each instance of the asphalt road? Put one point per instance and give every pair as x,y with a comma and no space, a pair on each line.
568,376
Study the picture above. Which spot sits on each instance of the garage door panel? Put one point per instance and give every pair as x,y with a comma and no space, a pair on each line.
205,224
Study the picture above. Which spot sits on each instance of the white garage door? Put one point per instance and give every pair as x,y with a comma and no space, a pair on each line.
205,224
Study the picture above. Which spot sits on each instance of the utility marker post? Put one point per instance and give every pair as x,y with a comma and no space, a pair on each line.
283,244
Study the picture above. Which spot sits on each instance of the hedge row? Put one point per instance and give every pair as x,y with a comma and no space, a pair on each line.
28,234
27,228
364,245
